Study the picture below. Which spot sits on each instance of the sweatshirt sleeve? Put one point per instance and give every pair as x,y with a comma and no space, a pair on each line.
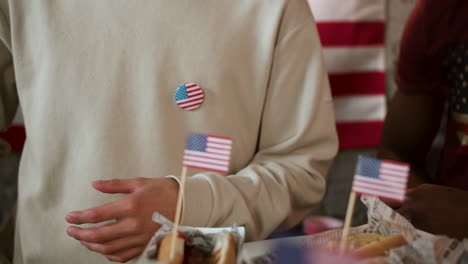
8,92
296,145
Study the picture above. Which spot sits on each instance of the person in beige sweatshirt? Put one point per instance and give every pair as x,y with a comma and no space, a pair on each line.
96,82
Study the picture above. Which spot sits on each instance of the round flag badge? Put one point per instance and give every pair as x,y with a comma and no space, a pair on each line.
189,96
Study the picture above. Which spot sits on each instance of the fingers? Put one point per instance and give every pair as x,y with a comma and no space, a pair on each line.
106,232
125,255
118,245
124,239
118,186
112,210
109,211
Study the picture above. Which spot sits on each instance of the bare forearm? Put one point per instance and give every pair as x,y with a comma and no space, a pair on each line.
438,210
410,127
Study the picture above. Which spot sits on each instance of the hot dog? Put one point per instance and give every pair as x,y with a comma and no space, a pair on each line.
369,245
380,248
223,249
164,253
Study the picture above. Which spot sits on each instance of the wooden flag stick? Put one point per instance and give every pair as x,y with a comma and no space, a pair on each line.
178,211
347,223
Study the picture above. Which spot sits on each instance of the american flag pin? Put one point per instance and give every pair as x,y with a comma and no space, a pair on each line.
189,96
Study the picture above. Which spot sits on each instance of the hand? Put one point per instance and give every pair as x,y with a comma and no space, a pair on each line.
125,238
437,209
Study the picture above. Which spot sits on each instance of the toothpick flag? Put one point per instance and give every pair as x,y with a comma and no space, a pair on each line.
381,178
201,152
208,152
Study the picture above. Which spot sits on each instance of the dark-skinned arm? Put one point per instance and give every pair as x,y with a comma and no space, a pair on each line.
437,209
410,127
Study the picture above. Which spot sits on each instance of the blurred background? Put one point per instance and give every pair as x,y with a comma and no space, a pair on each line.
360,41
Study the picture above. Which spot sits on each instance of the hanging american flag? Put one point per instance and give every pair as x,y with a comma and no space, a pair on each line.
381,178
207,152
455,64
353,39
189,96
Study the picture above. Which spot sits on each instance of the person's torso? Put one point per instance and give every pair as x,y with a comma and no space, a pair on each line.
96,81
448,41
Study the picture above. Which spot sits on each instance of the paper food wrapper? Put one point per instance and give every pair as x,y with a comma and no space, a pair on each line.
422,247
149,254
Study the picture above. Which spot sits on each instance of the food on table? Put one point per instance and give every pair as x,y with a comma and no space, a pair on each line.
225,249
220,248
164,253
369,245
381,247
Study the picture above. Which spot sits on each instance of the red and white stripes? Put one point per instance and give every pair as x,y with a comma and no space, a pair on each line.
214,155
353,38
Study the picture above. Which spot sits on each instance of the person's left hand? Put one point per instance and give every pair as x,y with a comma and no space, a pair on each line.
437,209
125,238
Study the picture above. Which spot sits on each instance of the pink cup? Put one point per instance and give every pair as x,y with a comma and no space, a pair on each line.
318,224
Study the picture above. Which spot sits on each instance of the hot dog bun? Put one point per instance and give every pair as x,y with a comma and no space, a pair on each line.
164,252
356,241
225,249
380,248
369,245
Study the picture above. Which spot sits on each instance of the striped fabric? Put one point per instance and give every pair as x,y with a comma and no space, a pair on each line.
353,37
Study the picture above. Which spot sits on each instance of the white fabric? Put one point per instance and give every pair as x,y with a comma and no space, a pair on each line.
360,108
355,59
348,10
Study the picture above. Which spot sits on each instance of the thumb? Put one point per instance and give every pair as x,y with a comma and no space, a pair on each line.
118,185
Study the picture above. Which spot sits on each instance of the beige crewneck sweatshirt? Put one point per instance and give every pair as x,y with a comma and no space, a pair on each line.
96,82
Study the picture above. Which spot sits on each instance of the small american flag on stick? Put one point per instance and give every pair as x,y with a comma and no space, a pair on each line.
208,152
201,152
381,178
